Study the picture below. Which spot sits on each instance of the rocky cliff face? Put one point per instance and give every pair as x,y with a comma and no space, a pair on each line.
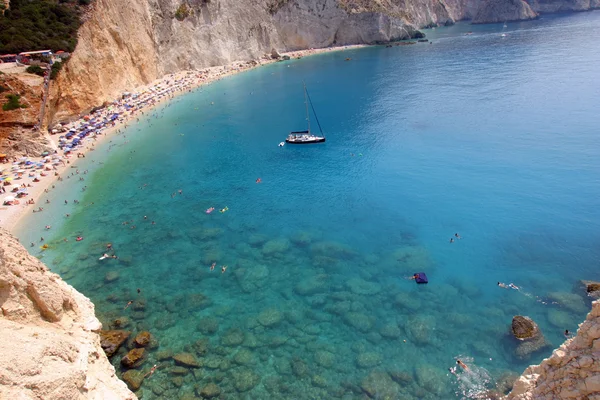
492,11
48,348
573,370
552,6
124,45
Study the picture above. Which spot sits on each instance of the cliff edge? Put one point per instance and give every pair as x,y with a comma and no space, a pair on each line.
571,372
48,345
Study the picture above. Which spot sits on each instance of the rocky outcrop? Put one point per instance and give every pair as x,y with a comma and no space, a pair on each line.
572,372
48,345
492,11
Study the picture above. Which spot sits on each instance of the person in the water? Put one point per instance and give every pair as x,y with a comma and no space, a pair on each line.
462,365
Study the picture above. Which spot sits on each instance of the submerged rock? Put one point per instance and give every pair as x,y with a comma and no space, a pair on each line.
209,391
274,247
133,378
142,339
570,301
362,287
325,358
313,285
359,321
529,335
379,385
368,359
253,278
245,379
134,358
208,325
233,337
269,318
112,340
186,360
592,288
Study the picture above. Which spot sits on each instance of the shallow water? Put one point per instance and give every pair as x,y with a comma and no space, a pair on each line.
491,137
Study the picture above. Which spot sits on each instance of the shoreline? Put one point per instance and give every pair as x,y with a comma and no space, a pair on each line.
11,216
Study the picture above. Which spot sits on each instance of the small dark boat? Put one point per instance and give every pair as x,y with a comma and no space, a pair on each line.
305,137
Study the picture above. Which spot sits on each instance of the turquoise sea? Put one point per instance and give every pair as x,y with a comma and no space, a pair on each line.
493,137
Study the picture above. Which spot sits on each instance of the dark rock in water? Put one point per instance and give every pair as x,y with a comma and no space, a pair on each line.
524,328
449,22
186,360
286,57
592,289
299,368
134,358
418,35
133,378
142,339
209,391
401,377
423,40
112,340
527,331
494,11
233,337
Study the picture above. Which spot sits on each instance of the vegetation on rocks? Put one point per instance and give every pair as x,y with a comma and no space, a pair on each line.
183,11
56,67
40,24
35,69
13,103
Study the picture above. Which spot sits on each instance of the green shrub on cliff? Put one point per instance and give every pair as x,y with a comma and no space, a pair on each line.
35,69
39,24
13,102
182,12
56,67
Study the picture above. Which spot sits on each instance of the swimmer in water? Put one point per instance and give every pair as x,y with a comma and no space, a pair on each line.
128,304
212,267
223,269
415,276
456,235
502,285
151,371
513,286
567,334
462,365
451,240
258,180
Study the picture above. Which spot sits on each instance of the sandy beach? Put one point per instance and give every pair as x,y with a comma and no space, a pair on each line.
145,98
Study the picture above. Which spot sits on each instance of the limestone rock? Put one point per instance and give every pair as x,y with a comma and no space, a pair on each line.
368,359
186,360
56,327
233,337
362,287
570,372
275,54
359,321
112,340
253,278
142,339
134,358
313,285
493,11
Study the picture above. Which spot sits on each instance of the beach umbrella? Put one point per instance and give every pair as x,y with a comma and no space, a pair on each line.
45,153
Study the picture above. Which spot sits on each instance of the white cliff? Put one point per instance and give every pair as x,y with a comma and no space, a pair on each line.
48,345
571,372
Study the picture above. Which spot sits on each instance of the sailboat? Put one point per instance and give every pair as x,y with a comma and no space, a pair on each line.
305,137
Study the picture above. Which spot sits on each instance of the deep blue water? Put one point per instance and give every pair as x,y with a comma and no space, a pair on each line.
494,138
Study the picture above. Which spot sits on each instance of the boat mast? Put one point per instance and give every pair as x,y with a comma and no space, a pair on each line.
313,108
306,104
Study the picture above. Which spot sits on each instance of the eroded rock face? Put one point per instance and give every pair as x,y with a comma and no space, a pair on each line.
571,372
492,11
56,325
